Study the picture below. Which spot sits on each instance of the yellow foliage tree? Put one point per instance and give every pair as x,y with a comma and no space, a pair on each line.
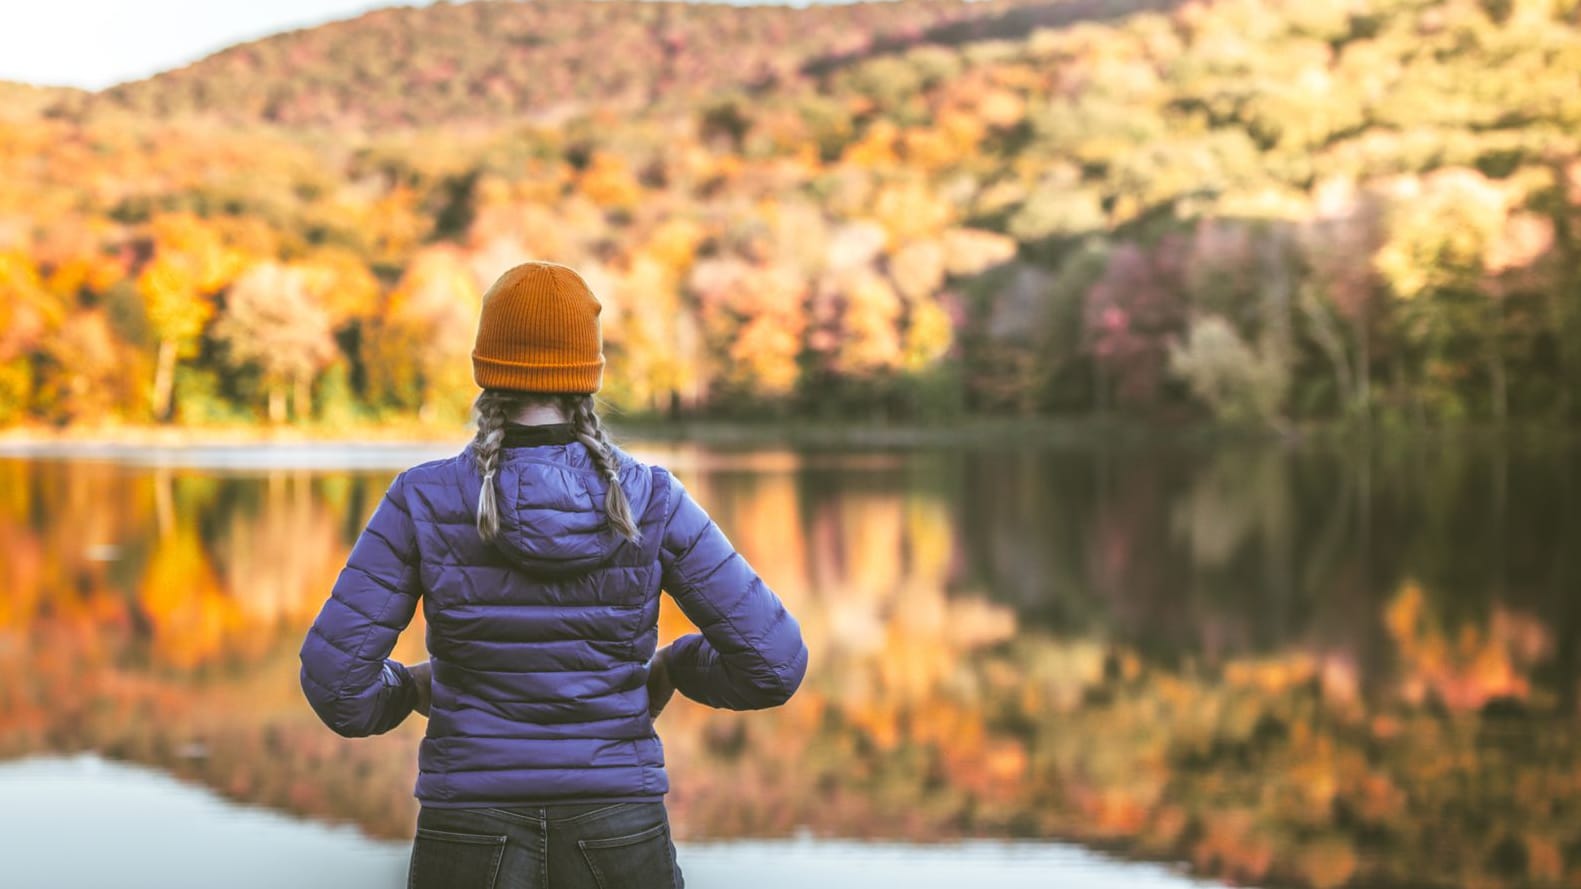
26,312
419,351
190,265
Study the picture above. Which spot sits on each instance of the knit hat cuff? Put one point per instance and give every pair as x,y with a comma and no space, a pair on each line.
573,379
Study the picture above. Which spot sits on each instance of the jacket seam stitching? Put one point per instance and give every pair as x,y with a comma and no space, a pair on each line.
398,483
330,642
367,635
393,588
390,544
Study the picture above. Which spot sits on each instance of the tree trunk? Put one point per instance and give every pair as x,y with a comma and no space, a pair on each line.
1497,376
164,381
1363,367
302,398
1100,389
276,403
1331,342
1559,321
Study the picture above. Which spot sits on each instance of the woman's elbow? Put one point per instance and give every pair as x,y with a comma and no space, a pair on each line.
359,709
331,708
347,717
794,672
347,728
781,682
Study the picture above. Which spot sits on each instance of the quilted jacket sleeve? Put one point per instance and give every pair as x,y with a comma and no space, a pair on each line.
347,673
750,654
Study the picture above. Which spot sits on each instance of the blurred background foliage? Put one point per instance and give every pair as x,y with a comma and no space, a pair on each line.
1259,212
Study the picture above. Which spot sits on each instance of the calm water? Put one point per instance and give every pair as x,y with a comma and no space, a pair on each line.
1301,666
152,832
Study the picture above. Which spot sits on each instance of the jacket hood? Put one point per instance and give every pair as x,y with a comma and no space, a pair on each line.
552,515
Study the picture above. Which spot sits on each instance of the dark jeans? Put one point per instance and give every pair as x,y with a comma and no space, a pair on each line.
596,846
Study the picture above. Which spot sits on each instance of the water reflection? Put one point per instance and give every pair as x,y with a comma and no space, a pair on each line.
1307,666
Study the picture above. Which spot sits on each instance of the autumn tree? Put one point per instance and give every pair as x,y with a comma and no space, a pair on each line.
190,265
1440,230
1238,381
1131,315
756,317
271,322
26,312
416,355
1338,295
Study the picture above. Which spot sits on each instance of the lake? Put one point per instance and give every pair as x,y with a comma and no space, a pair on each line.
1262,663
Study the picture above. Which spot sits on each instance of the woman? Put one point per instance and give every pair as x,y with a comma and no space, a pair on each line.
538,554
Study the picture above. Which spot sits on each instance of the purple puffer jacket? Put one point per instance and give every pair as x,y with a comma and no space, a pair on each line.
541,642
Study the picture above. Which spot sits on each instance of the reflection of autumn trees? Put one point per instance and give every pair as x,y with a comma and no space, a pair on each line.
1393,731
155,616
1465,666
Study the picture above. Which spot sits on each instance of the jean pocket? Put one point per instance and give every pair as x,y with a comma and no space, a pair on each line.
638,861
441,860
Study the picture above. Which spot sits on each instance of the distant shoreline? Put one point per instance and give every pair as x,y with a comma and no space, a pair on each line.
213,436
978,431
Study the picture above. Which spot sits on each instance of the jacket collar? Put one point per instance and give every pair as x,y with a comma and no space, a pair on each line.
518,435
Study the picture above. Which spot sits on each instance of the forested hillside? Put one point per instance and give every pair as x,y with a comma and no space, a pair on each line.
485,62
1260,211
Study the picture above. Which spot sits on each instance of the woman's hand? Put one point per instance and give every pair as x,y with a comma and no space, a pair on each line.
660,688
423,677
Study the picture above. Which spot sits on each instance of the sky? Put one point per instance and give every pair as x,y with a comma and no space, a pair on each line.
97,43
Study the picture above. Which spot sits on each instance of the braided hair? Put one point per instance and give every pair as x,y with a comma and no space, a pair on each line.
494,408
590,432
490,413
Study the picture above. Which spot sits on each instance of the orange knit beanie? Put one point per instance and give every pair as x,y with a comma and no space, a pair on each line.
539,332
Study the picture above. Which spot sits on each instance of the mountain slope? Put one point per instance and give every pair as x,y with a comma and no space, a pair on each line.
23,100
486,61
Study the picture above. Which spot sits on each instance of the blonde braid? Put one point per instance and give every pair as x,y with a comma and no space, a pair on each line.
490,412
590,432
